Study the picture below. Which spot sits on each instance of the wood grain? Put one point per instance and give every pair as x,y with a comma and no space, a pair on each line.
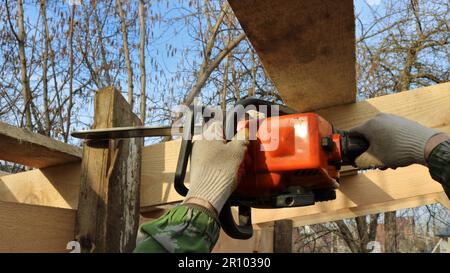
306,47
22,146
108,205
27,228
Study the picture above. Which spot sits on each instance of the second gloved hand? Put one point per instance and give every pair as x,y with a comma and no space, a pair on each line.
394,142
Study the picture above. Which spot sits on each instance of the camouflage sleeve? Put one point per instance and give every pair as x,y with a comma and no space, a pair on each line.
186,228
439,165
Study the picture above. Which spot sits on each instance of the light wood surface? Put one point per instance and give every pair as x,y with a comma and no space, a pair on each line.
306,47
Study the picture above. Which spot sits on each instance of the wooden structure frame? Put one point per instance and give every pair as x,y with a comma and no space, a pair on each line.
47,198
72,194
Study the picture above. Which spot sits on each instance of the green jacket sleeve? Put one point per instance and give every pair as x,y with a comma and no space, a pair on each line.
439,165
186,228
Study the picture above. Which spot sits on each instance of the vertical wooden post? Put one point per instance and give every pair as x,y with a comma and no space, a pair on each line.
282,236
108,208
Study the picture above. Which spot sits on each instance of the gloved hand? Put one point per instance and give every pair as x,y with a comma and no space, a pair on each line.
214,168
394,142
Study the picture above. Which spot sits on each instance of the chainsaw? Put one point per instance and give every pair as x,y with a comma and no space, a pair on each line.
302,169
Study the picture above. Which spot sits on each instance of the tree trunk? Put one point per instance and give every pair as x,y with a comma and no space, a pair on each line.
224,84
21,40
45,67
361,227
104,66
234,77
71,60
390,231
347,236
142,29
126,52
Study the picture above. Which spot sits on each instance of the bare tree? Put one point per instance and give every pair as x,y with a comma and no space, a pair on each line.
71,64
208,64
21,41
126,50
143,79
46,38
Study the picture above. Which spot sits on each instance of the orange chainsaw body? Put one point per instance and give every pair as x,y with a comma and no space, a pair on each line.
298,150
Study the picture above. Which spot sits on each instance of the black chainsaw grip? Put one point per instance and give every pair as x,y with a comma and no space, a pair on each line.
185,152
351,147
243,230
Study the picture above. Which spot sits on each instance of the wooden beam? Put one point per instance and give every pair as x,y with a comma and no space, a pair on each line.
307,48
56,186
339,214
282,236
108,207
26,228
443,200
261,242
429,106
21,146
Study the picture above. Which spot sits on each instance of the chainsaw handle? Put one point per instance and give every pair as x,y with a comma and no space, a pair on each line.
243,230
185,152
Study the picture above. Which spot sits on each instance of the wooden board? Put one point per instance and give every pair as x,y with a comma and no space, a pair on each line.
26,228
403,203
443,200
429,106
261,242
108,204
52,229
56,186
21,146
306,47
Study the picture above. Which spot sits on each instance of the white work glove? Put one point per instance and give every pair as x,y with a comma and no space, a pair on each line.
214,167
394,142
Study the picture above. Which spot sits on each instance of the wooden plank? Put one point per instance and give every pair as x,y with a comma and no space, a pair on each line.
429,106
56,186
282,236
108,207
261,242
26,228
326,216
306,47
443,200
21,146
